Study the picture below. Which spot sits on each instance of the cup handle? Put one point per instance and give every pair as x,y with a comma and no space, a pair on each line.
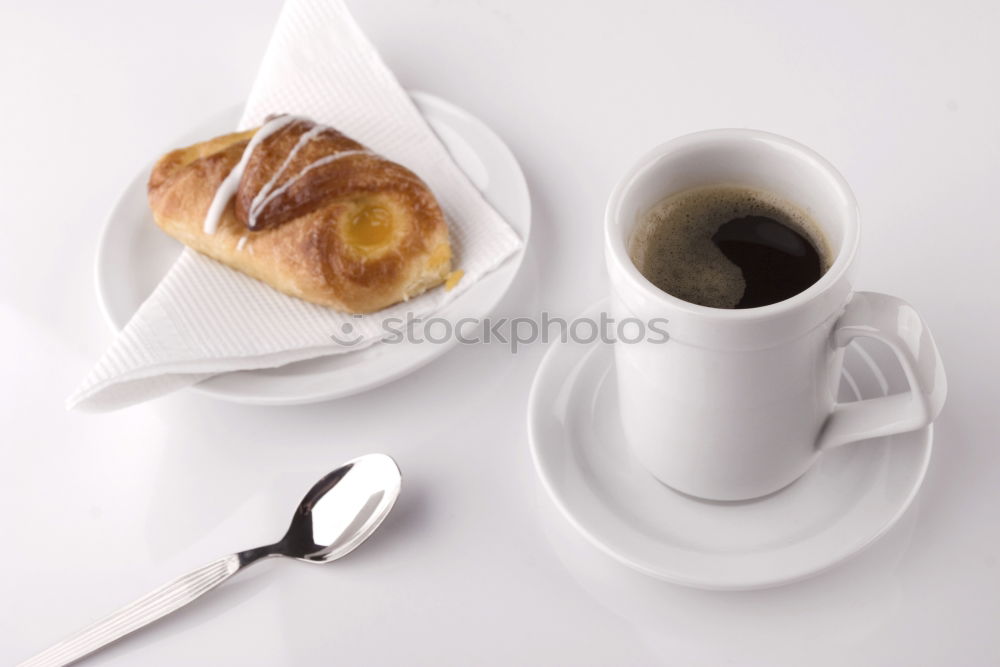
896,323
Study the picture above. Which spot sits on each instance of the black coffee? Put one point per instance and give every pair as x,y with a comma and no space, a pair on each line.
729,247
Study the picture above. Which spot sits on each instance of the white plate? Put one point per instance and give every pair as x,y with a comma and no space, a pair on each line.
844,503
134,255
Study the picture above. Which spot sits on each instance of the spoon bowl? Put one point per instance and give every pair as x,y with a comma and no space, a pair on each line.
342,510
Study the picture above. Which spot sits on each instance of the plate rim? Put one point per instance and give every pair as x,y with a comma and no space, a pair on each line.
543,472
511,265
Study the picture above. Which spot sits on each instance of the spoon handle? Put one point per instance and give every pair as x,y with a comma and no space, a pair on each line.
143,611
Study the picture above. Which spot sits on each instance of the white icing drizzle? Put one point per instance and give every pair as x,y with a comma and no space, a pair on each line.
268,192
232,181
326,159
242,242
258,201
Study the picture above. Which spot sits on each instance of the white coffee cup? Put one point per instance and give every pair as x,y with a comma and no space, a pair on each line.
737,404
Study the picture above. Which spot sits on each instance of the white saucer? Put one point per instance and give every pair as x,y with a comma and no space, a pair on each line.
134,255
852,496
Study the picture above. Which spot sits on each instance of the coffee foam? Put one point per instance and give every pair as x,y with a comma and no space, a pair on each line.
672,245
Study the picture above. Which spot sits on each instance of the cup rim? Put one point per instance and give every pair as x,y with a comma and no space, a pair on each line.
615,243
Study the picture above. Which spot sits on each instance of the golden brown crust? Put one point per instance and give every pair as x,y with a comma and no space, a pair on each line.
343,228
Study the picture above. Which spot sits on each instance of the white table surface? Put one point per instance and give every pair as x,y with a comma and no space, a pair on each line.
474,566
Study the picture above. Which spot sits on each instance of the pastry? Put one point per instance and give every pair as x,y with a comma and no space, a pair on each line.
308,211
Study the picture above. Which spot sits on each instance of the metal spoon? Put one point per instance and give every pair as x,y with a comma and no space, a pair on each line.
337,515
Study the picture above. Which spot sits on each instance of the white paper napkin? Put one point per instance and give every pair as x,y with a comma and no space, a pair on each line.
204,318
